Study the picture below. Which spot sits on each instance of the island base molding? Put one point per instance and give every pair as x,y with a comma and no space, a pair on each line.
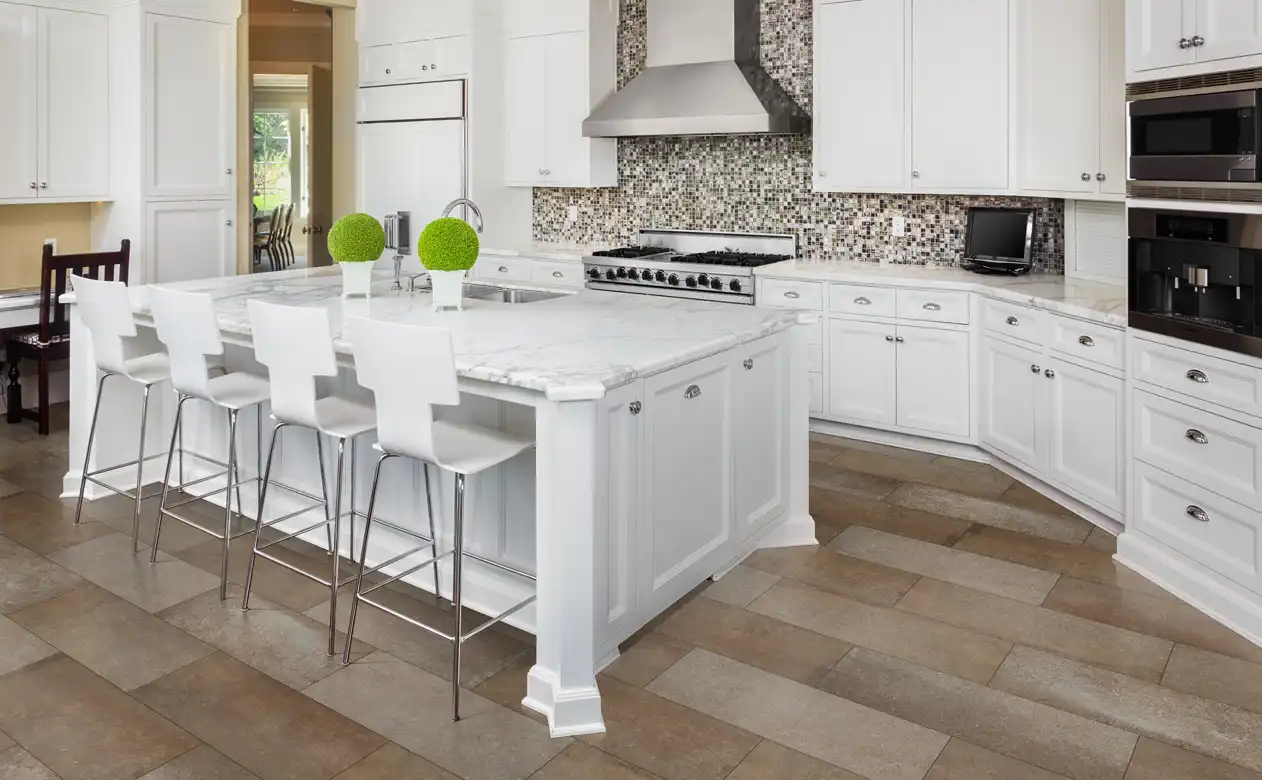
570,713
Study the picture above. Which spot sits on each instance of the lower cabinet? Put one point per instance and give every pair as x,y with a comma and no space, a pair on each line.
188,240
760,451
863,372
1013,405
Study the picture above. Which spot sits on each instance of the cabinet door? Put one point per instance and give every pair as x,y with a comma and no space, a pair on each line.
1086,432
618,508
760,386
525,122
1112,116
413,61
1059,60
74,116
188,240
1154,29
860,106
385,21
688,477
934,379
1228,28
379,64
1013,402
862,372
451,56
190,105
567,154
959,94
19,153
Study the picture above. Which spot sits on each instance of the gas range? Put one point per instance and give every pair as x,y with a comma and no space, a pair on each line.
688,264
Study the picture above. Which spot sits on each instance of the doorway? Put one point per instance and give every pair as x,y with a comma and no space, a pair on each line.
291,111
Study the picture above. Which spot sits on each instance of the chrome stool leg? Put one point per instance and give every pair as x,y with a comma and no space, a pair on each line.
140,471
363,555
233,477
176,436
351,516
87,455
324,489
429,509
258,522
456,601
337,540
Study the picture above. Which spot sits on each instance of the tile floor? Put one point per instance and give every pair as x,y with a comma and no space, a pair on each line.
953,625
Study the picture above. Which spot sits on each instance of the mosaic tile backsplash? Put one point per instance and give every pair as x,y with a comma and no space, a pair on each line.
762,184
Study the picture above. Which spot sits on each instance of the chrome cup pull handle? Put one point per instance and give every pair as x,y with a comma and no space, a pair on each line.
1198,376
558,274
1013,321
1198,514
862,301
932,307
792,295
1086,341
692,392
503,269
1197,436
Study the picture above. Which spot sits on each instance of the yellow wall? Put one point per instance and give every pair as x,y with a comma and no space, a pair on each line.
22,233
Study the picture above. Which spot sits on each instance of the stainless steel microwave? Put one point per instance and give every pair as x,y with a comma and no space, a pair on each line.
1211,137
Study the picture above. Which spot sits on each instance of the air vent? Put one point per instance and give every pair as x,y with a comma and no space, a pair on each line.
1162,88
1180,192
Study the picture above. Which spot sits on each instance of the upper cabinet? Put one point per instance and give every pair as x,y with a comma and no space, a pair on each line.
1071,139
380,22
558,65
54,75
1172,38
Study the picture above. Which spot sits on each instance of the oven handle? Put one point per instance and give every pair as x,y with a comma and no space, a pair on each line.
1214,101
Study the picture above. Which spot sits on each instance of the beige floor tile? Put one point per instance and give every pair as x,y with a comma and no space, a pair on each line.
1062,528
117,640
961,760
584,762
19,647
840,732
826,532
773,760
108,561
843,480
824,451
1214,676
17,764
1180,719
15,453
1069,559
392,762
489,742
1101,539
1001,578
911,456
8,489
281,643
1012,726
986,483
176,536
1164,617
927,642
266,727
201,763
1157,761
44,526
1029,498
29,578
740,586
63,714
271,580
1138,655
647,657
870,582
507,688
841,510
660,736
43,476
5,741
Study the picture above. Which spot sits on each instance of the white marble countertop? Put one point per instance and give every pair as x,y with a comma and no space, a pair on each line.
544,250
575,347
1102,303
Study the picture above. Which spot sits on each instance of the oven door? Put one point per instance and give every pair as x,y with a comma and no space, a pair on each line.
1212,137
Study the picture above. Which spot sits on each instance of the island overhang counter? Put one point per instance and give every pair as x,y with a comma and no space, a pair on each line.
671,441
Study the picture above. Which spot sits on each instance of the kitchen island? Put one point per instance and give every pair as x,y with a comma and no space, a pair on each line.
671,442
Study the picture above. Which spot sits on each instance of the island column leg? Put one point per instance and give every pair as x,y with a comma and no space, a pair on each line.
798,528
562,683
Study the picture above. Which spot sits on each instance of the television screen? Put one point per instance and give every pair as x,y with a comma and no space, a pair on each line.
999,234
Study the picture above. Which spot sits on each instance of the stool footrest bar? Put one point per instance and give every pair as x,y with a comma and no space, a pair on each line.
287,537
413,570
497,619
407,619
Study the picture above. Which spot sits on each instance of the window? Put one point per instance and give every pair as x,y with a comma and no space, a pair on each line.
273,153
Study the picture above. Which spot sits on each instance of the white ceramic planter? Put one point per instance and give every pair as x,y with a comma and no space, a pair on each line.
356,279
448,289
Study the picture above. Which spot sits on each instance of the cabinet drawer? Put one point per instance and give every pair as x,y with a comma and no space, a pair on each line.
790,294
816,382
1009,319
1220,454
1233,385
1221,534
505,269
1087,340
933,306
555,274
859,299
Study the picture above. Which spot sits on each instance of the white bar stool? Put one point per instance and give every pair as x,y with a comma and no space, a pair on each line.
409,370
105,310
186,324
296,345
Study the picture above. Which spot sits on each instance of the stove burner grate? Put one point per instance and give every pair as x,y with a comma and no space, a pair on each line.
629,252
741,259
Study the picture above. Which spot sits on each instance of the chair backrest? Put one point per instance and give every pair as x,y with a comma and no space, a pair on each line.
296,345
274,226
289,222
55,271
186,324
105,310
409,369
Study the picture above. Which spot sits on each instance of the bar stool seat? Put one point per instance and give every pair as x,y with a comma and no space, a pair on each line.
343,418
239,390
468,449
148,369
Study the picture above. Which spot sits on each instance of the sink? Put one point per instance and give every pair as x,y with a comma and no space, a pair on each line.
487,292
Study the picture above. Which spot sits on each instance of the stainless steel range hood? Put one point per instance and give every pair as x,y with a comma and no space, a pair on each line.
703,77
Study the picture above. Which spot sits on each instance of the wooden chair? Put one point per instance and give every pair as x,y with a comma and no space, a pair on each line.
264,241
50,340
285,234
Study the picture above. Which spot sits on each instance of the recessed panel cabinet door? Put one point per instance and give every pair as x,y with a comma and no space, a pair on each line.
74,120
188,240
860,106
863,377
1154,29
525,121
620,424
19,152
1228,28
190,100
1013,402
760,405
567,154
934,377
1113,97
1086,432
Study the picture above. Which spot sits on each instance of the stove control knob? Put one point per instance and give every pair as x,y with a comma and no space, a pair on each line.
646,275
735,286
633,274
703,281
691,281
622,273
661,276
673,280
594,273
610,275
716,283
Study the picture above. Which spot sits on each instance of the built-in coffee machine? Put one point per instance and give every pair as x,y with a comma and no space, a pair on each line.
1198,276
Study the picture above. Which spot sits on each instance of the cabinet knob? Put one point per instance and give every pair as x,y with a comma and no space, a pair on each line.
1013,321
635,407
899,339
889,338
1050,374
43,185
1197,436
1100,177
387,71
1086,341
692,392
1198,514
547,172
1035,369
915,174
1086,177
1198,376
228,223
749,364
932,307
34,185
424,67
822,174
1198,40
433,66
228,171
1185,43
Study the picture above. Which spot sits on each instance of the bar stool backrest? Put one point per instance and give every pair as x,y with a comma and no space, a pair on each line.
187,326
409,369
105,310
296,345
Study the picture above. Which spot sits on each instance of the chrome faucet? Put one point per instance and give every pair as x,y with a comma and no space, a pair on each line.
457,203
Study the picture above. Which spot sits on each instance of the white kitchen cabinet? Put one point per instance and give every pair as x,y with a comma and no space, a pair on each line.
1226,29
935,379
188,240
860,113
1155,33
760,406
617,541
959,95
863,372
1170,38
19,152
526,137
190,108
380,22
429,59
1086,418
1013,402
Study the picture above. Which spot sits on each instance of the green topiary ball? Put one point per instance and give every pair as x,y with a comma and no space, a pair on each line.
448,244
357,238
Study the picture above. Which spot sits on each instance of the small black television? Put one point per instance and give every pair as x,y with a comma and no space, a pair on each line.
998,240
